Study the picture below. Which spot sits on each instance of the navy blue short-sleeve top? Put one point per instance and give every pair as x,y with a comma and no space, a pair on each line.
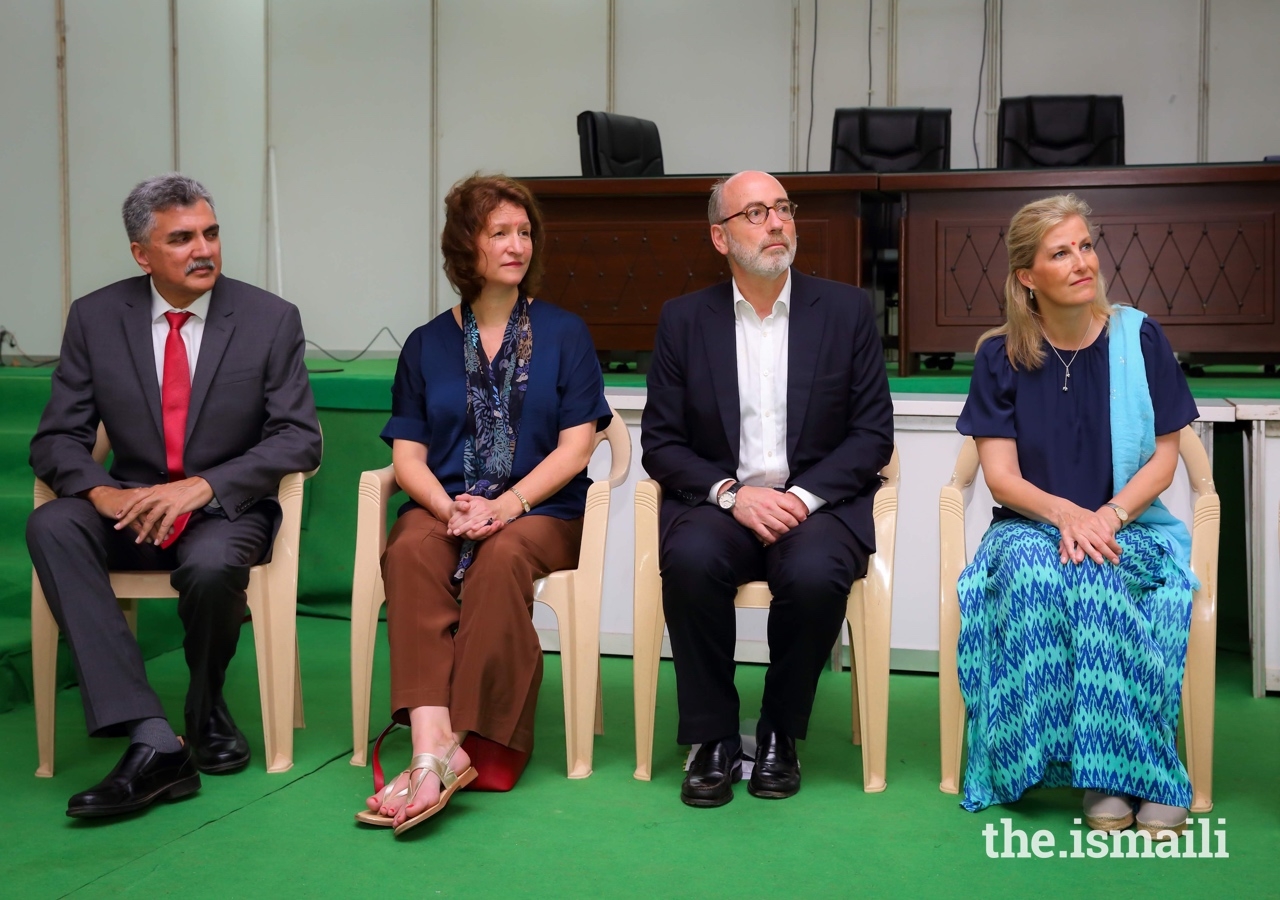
429,401
1064,438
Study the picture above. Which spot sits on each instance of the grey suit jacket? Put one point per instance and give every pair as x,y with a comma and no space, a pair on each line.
252,418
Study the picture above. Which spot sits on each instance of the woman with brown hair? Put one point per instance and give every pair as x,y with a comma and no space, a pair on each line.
494,409
1076,608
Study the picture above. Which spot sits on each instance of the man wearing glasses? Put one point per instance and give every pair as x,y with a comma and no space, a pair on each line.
767,422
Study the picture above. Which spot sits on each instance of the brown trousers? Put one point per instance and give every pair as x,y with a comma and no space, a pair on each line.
472,646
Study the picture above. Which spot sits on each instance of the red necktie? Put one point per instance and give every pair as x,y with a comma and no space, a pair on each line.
175,398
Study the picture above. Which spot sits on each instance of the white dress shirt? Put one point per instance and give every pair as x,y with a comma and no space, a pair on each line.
192,330
762,396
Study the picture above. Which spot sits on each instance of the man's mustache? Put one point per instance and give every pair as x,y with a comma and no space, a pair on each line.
197,264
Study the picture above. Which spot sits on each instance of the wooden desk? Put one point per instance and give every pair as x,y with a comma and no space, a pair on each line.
618,248
1193,246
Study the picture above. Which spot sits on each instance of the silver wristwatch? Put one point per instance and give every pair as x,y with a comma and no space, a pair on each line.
729,496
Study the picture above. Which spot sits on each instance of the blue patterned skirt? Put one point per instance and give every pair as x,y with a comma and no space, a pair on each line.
1072,674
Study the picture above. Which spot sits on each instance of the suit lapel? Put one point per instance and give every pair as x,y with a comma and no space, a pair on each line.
137,330
213,344
721,344
804,339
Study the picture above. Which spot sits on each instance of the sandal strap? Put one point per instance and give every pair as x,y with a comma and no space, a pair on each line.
436,766
378,778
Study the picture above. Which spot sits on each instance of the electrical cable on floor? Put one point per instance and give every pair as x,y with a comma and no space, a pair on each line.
977,163
813,66
5,334
871,5
340,359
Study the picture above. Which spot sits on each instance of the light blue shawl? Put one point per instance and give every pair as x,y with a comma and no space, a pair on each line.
1133,431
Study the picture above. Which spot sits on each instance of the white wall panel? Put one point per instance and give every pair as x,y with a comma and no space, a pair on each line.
120,125
1146,50
939,52
512,79
30,197
715,76
222,120
350,88
840,70
1244,71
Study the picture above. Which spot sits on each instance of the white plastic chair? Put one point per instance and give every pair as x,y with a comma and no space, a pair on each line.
869,614
573,594
1198,682
273,603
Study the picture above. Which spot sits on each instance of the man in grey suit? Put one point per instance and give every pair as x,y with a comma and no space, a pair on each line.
200,383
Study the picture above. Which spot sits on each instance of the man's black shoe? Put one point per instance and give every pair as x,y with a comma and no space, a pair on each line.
716,768
143,776
777,771
217,745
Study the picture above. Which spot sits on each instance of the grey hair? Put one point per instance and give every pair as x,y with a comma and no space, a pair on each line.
156,194
714,211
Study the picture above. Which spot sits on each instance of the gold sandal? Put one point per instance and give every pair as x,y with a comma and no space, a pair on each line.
450,781
369,817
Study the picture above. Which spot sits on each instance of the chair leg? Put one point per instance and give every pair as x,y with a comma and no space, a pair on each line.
599,701
647,653
299,715
871,658
44,672
275,636
129,607
580,672
366,600
853,683
950,703
1198,698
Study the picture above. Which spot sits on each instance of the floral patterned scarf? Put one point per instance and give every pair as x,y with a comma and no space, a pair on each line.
495,401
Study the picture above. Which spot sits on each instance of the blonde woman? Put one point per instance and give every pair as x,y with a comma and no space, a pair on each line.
1076,608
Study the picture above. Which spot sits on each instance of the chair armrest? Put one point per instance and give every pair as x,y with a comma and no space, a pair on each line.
648,502
884,512
43,494
377,487
619,449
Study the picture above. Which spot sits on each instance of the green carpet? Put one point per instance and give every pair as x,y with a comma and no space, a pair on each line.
258,835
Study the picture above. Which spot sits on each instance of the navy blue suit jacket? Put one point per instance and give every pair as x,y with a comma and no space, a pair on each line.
839,414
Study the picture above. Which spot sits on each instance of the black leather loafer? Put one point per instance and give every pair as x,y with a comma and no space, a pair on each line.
217,745
776,775
143,776
716,768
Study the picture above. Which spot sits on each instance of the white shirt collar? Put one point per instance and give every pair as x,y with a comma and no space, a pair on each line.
782,304
159,306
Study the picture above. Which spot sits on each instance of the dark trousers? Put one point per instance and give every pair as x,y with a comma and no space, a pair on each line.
705,556
73,548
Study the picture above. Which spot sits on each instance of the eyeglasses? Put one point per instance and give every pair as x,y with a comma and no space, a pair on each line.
756,213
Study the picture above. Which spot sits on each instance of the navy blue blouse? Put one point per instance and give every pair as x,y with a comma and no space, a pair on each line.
429,400
1064,439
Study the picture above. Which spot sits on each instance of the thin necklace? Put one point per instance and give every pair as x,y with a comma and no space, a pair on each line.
1067,365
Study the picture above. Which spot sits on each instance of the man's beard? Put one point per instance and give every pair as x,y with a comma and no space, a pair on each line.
756,261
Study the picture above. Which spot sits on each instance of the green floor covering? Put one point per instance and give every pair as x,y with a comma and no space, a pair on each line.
259,835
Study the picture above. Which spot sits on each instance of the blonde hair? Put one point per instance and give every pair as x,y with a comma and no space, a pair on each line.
1027,228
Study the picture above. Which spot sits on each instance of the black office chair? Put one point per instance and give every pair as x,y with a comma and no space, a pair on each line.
618,146
1057,131
888,139
891,139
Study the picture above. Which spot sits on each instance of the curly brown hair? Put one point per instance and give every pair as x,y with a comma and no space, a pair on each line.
467,208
